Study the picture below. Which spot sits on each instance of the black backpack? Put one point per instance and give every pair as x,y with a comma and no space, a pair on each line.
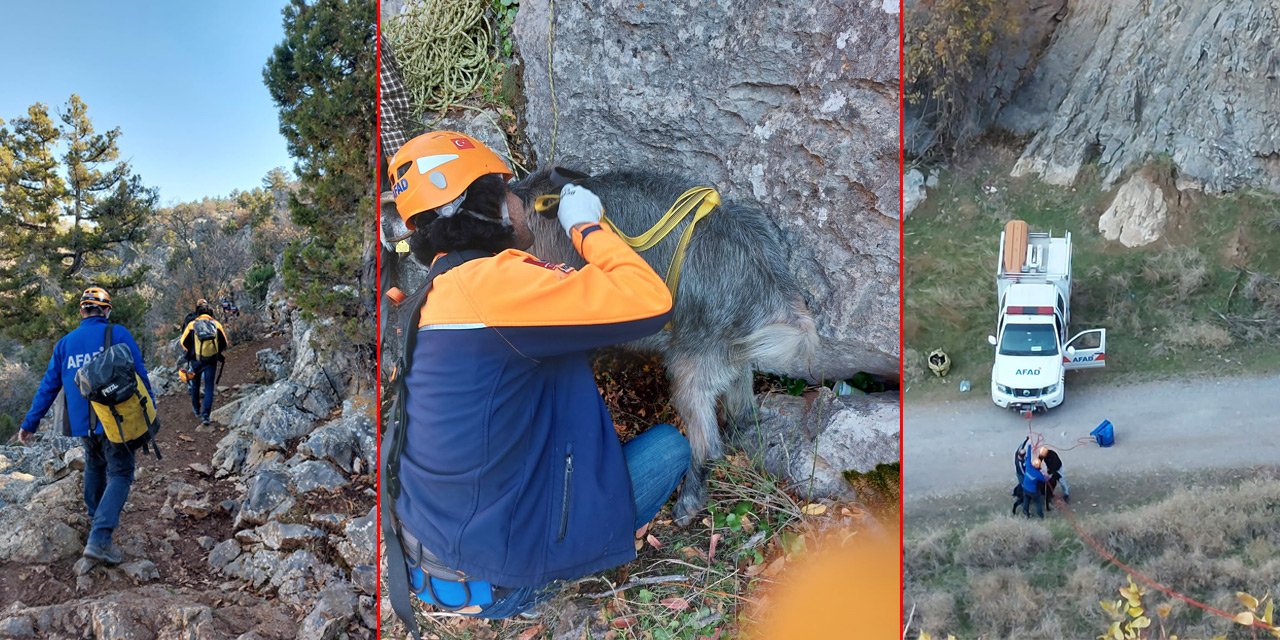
118,396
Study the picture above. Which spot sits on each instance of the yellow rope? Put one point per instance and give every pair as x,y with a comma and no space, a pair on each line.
700,201
444,50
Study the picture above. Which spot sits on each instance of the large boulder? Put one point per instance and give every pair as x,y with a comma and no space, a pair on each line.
803,122
1137,215
1125,81
812,442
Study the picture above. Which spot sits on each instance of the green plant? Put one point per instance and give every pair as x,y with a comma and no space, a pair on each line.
504,17
1129,619
257,279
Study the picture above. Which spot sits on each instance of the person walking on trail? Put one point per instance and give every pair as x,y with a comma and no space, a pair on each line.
499,407
1032,489
203,341
1053,468
108,466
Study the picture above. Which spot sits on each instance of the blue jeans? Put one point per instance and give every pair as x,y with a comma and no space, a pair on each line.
656,461
206,376
108,474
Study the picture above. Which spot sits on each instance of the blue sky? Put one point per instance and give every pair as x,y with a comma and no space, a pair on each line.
182,80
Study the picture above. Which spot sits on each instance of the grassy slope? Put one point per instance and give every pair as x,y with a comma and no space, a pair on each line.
1010,577
1157,302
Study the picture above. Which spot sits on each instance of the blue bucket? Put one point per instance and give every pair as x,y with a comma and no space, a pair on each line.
1104,433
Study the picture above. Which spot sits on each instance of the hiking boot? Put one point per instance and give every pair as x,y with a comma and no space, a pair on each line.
205,423
111,555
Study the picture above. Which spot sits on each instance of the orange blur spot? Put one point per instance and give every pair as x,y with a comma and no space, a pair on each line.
847,586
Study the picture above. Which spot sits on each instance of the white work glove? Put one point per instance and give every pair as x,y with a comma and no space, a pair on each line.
578,205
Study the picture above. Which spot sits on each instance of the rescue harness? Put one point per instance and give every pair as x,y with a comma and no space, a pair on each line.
402,548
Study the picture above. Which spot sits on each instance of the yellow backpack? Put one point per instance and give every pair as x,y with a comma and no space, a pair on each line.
205,343
118,396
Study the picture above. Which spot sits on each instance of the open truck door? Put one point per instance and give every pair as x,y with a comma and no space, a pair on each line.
1086,350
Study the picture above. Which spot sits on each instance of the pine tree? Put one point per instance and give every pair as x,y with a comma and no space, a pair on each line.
322,78
63,220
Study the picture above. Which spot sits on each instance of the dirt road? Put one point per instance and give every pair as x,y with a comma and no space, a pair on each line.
1164,431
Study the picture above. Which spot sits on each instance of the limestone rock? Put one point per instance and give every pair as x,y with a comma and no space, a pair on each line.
336,606
223,553
141,570
913,190
1137,215
17,628
316,474
268,493
285,537
849,433
74,457
35,538
1125,81
803,122
273,363
337,441
356,545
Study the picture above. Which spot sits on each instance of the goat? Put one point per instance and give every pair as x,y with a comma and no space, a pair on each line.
737,308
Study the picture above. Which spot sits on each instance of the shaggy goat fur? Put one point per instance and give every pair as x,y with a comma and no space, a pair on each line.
737,307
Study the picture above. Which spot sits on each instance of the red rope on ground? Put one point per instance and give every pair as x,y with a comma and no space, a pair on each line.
1038,439
1140,576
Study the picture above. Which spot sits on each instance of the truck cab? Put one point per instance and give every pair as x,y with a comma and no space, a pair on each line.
1032,351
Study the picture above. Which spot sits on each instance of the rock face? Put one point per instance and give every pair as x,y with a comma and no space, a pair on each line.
1010,61
851,433
1124,81
803,122
1137,215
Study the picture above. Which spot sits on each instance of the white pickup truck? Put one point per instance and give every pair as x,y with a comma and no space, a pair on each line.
1033,284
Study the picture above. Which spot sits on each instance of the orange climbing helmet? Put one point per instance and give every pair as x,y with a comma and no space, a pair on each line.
95,297
435,169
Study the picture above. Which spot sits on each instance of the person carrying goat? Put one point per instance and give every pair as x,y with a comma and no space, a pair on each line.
502,472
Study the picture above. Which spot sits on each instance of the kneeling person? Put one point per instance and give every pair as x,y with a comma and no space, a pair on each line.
506,474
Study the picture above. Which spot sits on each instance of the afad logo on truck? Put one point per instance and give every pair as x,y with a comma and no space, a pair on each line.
1027,372
1092,357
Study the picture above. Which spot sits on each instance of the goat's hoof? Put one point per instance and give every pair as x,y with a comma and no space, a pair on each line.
686,511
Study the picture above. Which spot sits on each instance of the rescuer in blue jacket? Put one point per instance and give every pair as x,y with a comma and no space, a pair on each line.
1032,482
513,476
108,467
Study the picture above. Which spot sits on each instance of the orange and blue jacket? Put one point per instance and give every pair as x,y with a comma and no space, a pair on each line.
512,471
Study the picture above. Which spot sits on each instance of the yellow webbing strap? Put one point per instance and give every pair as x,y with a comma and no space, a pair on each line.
700,201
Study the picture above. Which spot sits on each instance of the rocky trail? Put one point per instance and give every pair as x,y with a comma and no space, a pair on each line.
257,527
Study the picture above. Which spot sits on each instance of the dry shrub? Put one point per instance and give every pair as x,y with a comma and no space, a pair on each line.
1189,572
1086,584
1198,334
1003,542
1258,551
1183,269
926,554
935,613
1238,516
1256,313
1002,601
